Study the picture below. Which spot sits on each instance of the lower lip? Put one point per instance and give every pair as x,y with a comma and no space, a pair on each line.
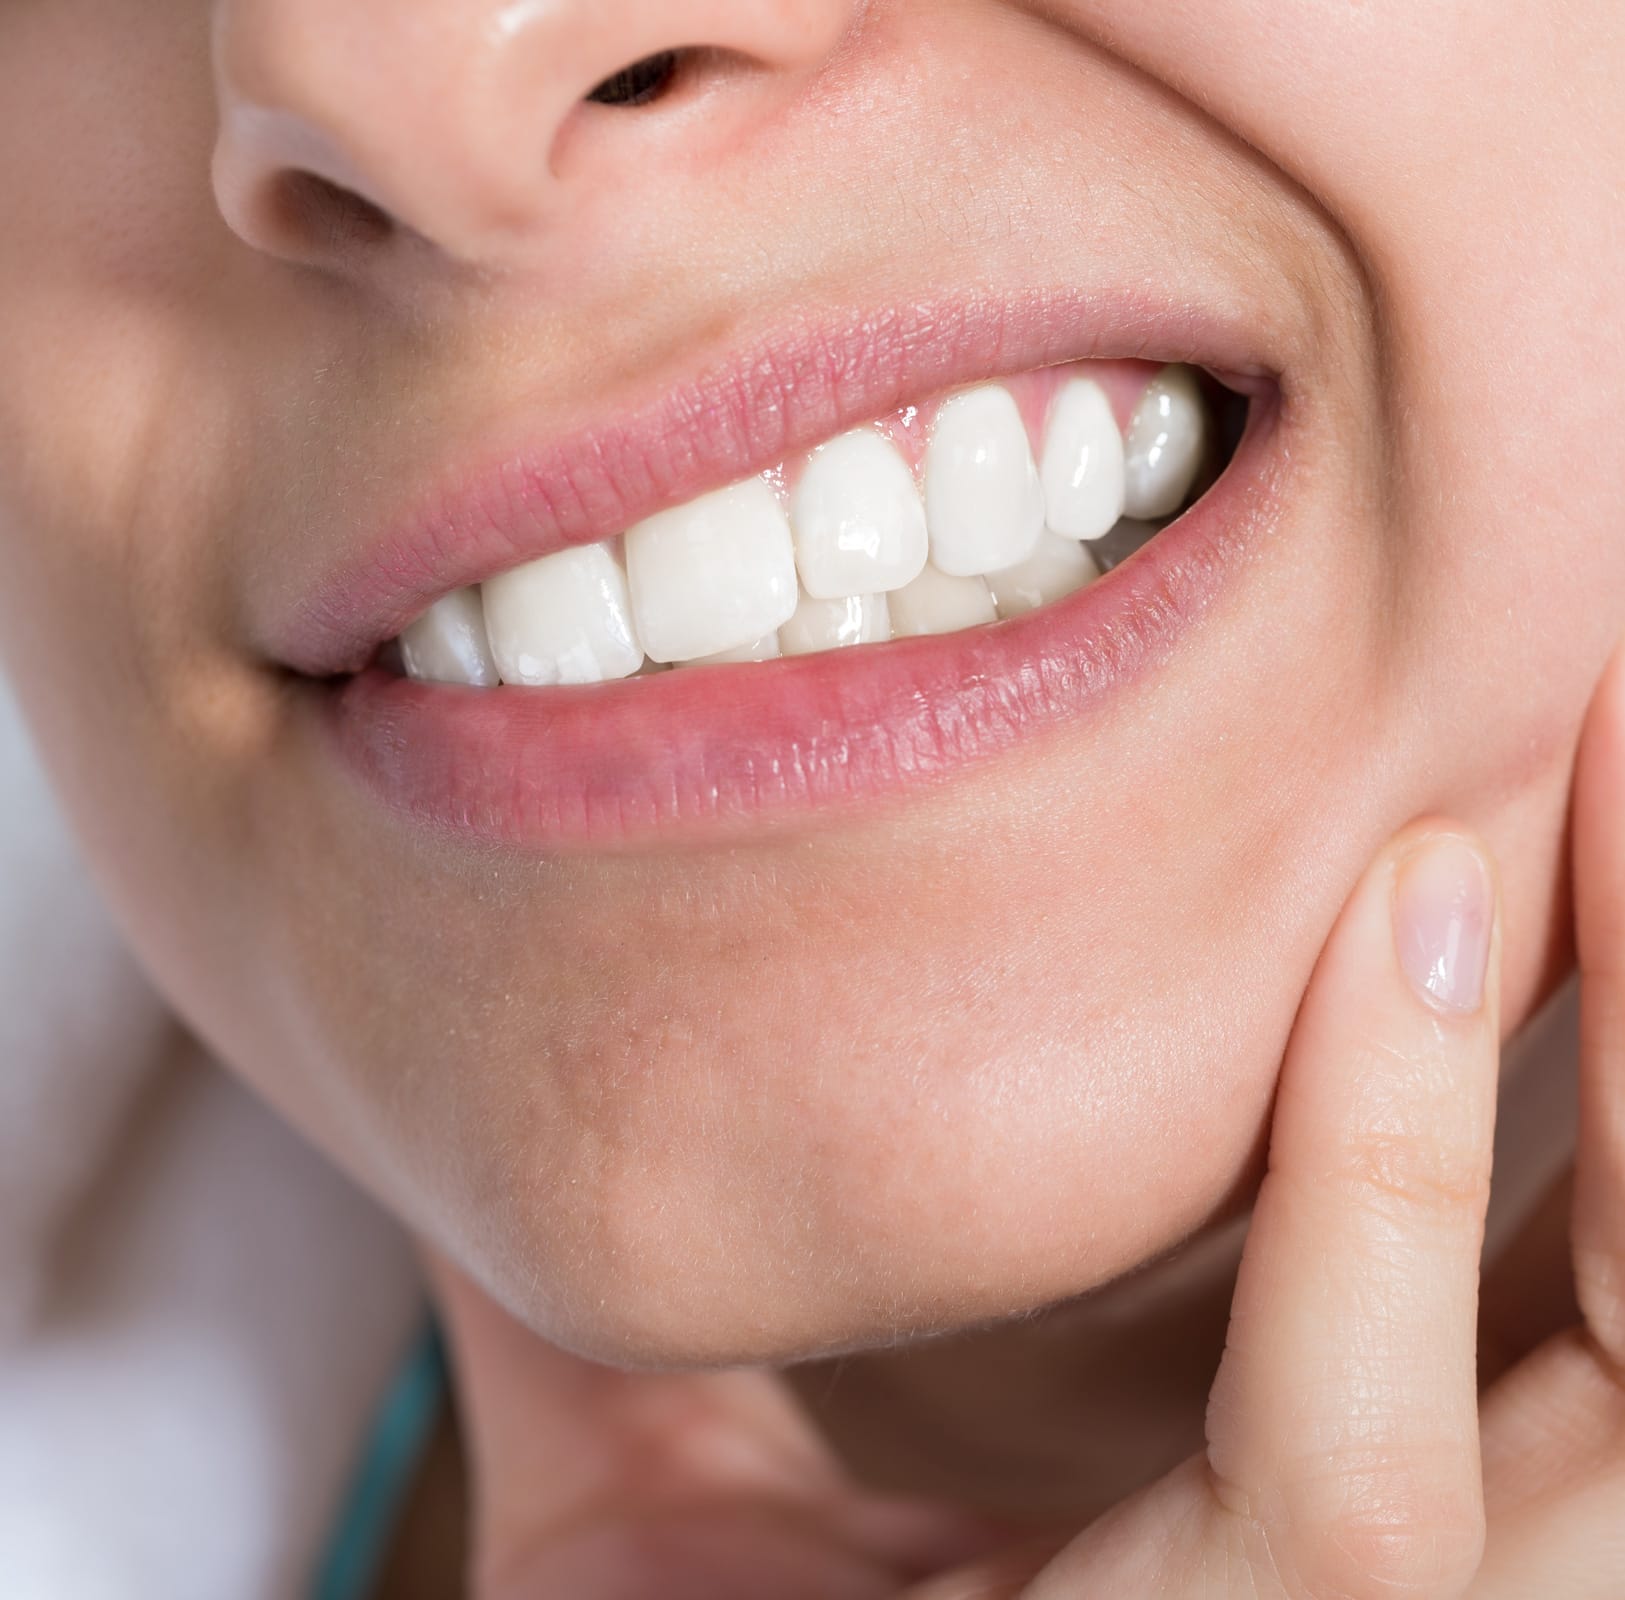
709,752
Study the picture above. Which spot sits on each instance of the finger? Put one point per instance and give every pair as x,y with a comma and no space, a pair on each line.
1554,1478
1554,1462
1599,891
1343,1422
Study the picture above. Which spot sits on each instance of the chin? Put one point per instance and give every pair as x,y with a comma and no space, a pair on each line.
788,1136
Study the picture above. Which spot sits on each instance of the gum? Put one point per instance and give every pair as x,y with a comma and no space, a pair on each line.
909,429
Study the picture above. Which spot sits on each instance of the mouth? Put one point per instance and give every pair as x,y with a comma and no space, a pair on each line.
845,620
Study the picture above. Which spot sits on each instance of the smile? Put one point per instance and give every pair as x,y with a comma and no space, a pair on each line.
984,504
861,616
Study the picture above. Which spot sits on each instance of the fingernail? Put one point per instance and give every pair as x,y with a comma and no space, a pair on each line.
1444,911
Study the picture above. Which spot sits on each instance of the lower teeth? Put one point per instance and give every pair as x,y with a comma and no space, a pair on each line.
448,644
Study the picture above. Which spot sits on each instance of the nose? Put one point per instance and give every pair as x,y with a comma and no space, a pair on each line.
345,120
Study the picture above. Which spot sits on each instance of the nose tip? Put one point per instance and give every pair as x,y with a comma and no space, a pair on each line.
346,120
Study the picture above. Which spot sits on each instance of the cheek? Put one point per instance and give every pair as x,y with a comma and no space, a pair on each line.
126,323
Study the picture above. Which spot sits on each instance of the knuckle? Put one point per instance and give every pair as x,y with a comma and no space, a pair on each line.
1396,1536
1413,1140
1409,1560
1407,1172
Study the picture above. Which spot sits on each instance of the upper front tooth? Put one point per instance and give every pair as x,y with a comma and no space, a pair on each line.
1083,463
712,575
764,649
1164,445
448,643
563,619
858,520
983,498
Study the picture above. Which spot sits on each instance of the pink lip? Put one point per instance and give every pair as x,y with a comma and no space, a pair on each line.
709,751
516,502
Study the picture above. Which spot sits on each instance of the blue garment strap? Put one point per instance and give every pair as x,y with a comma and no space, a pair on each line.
353,1562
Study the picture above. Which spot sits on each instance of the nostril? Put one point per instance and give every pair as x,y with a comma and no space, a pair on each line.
324,216
642,82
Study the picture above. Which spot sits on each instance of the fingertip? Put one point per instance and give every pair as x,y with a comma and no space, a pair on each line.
1445,914
1599,812
1612,686
1351,1352
1603,737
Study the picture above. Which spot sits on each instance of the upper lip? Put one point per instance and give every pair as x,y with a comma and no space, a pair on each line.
741,412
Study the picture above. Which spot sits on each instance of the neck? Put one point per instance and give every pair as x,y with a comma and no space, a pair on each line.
1054,1416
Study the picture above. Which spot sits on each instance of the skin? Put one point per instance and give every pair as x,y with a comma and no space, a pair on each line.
542,1064
1347,1450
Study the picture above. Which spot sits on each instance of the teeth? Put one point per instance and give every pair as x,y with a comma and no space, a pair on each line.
1083,463
832,624
1164,446
983,498
448,643
764,649
861,556
1055,569
859,523
713,575
563,619
937,603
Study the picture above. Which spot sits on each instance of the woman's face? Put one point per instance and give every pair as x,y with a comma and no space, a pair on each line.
796,1005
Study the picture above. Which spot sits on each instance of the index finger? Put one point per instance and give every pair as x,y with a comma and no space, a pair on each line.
1344,1417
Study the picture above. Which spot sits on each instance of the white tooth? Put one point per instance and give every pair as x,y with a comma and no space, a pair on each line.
831,624
1083,463
937,603
765,649
1164,445
563,619
983,499
1055,569
858,519
448,643
715,574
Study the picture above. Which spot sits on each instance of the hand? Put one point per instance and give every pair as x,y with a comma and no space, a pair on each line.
1348,1453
